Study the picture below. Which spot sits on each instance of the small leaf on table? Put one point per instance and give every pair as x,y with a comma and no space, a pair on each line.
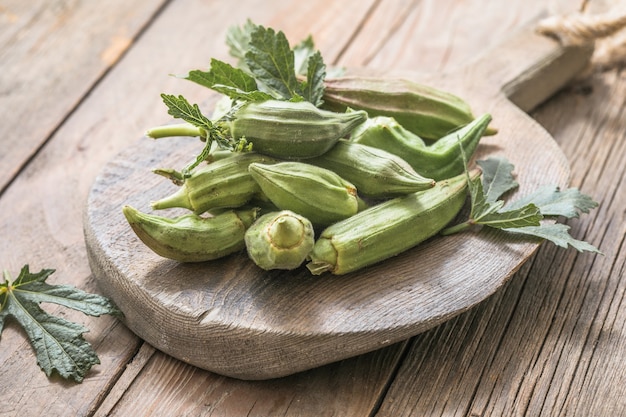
59,345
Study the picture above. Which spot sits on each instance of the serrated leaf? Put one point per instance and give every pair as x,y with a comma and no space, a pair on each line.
497,177
58,344
557,233
480,207
301,53
313,88
271,61
180,108
241,95
238,41
554,202
490,213
67,296
222,73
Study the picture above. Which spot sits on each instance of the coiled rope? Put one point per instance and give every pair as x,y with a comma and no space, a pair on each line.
607,31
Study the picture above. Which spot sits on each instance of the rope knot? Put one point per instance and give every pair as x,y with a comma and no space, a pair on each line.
606,31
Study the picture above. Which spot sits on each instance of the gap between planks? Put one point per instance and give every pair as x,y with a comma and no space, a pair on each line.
126,378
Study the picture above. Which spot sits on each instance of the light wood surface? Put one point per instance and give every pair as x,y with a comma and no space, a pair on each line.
550,342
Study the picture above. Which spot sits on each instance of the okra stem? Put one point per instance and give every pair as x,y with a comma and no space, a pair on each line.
181,129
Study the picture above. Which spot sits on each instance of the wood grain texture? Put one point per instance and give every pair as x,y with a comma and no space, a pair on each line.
347,388
262,324
53,52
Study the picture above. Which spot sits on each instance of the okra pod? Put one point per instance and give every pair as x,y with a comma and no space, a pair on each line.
291,130
440,160
375,173
316,193
191,238
280,240
225,183
389,228
424,110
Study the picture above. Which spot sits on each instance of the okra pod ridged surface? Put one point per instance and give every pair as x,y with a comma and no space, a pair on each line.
316,193
225,183
292,130
191,238
426,111
389,228
375,173
443,159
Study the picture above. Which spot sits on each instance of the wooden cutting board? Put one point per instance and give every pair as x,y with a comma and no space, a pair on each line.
230,317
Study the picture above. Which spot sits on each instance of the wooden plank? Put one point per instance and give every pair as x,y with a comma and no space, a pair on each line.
56,193
352,387
133,369
432,37
589,327
53,52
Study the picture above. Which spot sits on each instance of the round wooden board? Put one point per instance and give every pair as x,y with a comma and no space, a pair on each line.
230,317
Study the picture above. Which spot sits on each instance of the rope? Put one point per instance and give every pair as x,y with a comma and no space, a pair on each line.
607,31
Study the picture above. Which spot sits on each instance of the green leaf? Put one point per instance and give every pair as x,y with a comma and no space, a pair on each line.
180,108
557,233
302,52
554,202
223,73
497,177
238,41
313,88
490,213
480,207
271,61
524,215
241,95
528,215
58,344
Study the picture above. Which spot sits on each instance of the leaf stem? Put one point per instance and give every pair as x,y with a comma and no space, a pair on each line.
457,228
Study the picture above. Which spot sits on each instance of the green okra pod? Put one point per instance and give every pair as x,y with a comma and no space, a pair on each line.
389,228
376,173
291,130
440,160
316,193
424,110
280,240
192,238
225,183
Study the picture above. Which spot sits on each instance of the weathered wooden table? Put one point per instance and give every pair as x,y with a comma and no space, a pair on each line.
80,81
